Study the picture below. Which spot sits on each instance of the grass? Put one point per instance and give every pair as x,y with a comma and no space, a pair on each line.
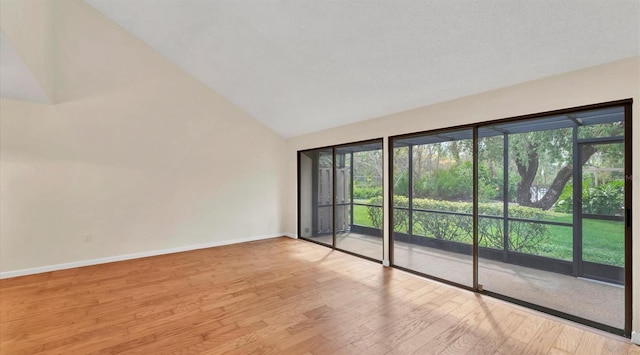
361,217
602,241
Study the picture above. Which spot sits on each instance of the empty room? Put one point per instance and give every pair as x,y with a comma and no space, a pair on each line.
319,177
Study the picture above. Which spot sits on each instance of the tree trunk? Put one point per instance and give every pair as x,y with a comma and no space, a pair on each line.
528,173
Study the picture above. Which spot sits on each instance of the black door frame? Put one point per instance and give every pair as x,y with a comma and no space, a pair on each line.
627,105
333,149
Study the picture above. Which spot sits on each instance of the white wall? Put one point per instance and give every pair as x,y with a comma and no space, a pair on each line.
29,25
135,153
609,82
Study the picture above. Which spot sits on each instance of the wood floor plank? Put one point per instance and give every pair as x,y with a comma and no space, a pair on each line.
590,343
503,321
634,350
612,347
568,339
544,338
270,297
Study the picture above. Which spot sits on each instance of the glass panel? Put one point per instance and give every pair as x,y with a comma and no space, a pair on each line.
557,243
401,176
531,255
603,242
359,212
492,190
491,233
608,122
526,237
316,190
542,166
438,241
603,204
613,129
400,221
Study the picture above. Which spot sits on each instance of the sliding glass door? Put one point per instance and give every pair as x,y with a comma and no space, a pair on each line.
340,197
554,238
534,210
531,210
315,170
433,202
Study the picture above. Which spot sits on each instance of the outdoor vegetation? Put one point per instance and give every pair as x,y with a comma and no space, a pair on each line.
539,188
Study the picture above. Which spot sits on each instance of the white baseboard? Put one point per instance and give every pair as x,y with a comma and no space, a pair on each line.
291,235
386,262
635,338
144,254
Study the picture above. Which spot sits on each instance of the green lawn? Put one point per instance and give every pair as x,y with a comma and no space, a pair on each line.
603,241
360,216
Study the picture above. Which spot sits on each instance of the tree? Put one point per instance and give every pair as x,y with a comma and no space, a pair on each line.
367,165
537,157
527,167
554,147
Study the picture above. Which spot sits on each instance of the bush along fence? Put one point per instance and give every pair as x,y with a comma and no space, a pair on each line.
453,222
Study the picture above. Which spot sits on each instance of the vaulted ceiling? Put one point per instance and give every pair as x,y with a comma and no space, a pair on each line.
303,66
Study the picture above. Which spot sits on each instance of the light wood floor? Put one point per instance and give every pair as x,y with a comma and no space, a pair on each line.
279,296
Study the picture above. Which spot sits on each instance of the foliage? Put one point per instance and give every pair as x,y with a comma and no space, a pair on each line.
444,226
603,241
453,183
401,186
523,236
527,236
366,192
456,183
400,217
565,201
606,199
490,188
544,158
540,159
367,168
375,213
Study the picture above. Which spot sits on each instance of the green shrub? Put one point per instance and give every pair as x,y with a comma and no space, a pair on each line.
524,237
527,236
564,204
401,186
401,217
375,213
456,184
443,226
490,230
491,187
606,199
366,192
